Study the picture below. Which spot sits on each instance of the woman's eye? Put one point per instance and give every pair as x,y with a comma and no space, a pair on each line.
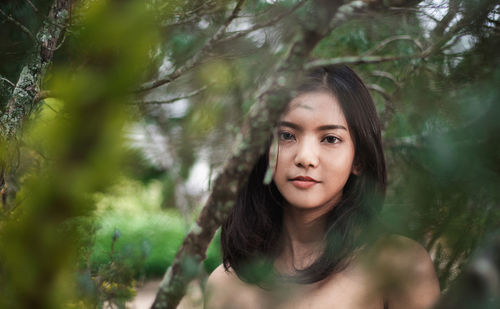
286,136
331,139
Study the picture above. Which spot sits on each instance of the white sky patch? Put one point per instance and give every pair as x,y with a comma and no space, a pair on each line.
203,23
259,37
239,24
166,66
435,8
178,108
198,178
174,109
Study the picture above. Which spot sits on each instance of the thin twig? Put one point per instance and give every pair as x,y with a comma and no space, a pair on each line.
361,59
189,95
388,76
271,22
390,40
198,56
42,95
380,90
417,11
193,11
17,23
51,108
32,5
8,81
192,17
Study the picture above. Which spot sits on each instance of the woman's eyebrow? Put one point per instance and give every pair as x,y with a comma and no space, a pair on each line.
289,124
320,128
331,127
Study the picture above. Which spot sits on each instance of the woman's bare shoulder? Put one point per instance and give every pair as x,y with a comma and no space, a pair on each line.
225,289
401,251
221,277
407,272
218,279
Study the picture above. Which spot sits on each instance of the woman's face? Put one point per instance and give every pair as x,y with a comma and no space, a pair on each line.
316,152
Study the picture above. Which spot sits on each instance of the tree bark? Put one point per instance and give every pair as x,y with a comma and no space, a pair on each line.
250,145
22,102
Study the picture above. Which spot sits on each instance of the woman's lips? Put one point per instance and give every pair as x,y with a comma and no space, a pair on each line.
303,182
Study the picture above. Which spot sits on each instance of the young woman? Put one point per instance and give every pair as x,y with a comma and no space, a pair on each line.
304,240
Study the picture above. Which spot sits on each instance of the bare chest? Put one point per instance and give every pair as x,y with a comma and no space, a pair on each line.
343,291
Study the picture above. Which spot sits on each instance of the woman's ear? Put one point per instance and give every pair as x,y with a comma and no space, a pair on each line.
356,169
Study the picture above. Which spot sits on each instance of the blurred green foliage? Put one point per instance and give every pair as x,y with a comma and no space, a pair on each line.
82,152
134,210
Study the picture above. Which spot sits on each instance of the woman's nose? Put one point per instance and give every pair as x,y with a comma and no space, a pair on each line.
306,155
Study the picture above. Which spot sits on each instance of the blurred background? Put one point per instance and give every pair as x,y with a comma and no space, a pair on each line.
113,131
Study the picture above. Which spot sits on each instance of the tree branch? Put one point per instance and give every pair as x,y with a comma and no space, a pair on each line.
388,76
389,110
361,59
250,144
32,5
8,82
197,57
390,40
415,10
380,90
445,21
443,39
42,95
23,96
19,24
187,96
271,22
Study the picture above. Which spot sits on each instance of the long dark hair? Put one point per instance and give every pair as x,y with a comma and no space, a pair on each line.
252,232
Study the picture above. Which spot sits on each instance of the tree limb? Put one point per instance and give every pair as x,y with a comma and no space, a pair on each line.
415,10
42,95
271,22
389,110
8,81
19,24
250,144
388,76
445,21
21,102
380,90
361,60
32,5
390,40
189,95
197,57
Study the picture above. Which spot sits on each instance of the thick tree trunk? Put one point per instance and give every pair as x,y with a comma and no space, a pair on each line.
23,99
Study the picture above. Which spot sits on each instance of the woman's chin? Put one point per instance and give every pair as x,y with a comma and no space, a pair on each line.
308,205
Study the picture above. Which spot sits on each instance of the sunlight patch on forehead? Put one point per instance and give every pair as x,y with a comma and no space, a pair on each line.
298,103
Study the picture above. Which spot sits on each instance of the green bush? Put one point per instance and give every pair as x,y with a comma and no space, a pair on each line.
154,236
149,237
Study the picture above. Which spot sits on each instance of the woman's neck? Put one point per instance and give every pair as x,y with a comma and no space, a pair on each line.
302,239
